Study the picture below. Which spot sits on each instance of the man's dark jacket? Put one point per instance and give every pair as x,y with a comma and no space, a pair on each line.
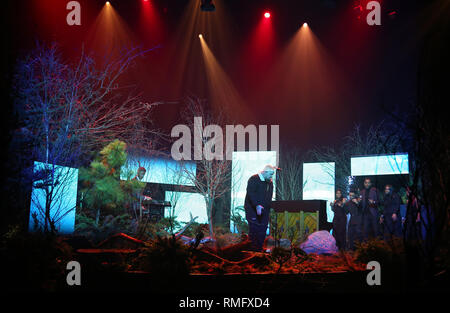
258,193
391,204
366,195
355,212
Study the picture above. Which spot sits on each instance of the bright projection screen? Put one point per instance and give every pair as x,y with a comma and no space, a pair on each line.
62,208
319,183
380,165
161,170
244,165
186,203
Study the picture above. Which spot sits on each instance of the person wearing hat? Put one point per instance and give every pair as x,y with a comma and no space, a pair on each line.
257,205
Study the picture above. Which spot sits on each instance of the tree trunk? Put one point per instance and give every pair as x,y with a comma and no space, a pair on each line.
97,217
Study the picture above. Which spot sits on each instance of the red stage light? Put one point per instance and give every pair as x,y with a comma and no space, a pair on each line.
267,15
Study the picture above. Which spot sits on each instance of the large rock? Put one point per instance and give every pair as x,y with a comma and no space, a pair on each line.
320,242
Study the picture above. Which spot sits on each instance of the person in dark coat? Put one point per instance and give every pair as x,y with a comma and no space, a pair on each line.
257,205
353,206
391,218
339,220
369,204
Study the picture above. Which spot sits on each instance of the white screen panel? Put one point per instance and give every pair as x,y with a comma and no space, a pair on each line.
186,203
380,165
64,194
160,170
319,183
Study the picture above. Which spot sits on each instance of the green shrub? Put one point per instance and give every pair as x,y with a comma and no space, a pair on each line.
165,257
33,261
387,253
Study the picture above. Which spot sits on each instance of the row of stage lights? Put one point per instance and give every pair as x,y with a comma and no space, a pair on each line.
208,6
304,25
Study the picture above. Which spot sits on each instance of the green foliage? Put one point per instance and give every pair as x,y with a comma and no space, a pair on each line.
33,261
162,228
108,226
387,253
238,221
195,229
103,190
165,257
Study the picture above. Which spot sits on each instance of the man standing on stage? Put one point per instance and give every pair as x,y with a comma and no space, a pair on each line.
391,213
369,204
354,232
257,205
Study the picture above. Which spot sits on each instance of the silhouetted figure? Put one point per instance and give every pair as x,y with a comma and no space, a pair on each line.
339,220
369,204
353,207
257,205
391,218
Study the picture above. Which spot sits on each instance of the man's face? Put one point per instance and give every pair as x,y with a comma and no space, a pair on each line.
267,174
141,174
387,190
338,194
351,195
367,183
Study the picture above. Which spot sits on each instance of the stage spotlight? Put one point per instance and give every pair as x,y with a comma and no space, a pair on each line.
267,15
200,36
107,3
207,5
305,24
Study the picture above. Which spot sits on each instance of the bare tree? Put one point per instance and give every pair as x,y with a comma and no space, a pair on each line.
212,178
50,198
377,140
289,180
66,110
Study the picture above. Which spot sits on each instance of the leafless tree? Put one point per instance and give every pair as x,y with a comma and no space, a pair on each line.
67,110
289,180
212,178
376,140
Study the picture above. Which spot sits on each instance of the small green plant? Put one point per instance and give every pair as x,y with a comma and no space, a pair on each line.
86,225
386,253
33,261
165,257
239,222
280,256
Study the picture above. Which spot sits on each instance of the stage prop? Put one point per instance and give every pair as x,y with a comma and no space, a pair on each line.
244,165
62,189
393,164
160,170
185,204
296,219
320,242
319,183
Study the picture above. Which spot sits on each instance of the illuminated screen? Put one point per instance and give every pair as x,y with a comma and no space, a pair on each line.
184,203
62,208
318,183
244,165
380,165
160,170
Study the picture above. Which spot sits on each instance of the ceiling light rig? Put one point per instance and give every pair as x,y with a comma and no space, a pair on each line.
207,6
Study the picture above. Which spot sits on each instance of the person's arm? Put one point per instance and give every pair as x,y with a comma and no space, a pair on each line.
332,204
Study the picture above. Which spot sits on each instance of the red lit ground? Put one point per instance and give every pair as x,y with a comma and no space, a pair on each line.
261,263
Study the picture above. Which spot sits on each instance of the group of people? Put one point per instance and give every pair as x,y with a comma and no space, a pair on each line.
371,216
